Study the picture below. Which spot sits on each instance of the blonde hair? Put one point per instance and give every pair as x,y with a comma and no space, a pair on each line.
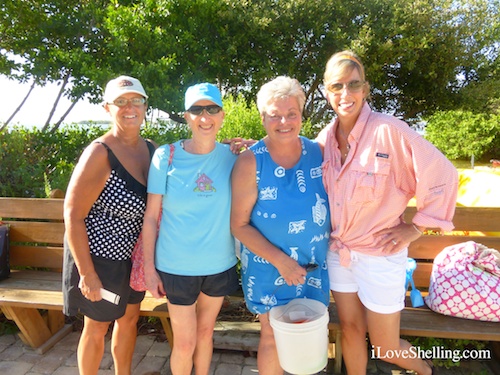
341,64
279,88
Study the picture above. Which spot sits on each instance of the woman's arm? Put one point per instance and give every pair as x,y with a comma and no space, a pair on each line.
149,237
87,181
244,196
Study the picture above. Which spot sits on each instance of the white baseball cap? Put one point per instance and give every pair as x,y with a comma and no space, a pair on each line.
122,85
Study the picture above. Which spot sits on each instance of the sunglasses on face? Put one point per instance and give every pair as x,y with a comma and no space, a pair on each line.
198,109
120,102
353,86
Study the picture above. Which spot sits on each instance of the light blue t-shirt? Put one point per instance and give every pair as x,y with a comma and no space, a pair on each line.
194,237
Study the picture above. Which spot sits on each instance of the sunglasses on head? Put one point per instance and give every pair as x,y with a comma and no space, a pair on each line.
198,109
120,102
353,86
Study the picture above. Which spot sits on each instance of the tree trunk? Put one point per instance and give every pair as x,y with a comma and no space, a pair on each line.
61,91
19,107
58,123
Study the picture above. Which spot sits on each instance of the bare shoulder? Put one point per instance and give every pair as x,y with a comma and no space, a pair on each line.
245,163
95,152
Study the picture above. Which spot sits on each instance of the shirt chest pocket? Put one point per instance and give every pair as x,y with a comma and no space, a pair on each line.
368,182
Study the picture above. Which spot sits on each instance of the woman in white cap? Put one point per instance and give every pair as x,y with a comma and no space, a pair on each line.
194,263
103,214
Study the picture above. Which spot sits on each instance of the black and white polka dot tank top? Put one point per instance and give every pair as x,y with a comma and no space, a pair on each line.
115,220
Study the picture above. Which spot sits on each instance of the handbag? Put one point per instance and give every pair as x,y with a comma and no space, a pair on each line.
4,251
137,275
465,282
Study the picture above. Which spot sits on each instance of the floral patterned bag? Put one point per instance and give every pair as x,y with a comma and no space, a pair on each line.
465,282
137,277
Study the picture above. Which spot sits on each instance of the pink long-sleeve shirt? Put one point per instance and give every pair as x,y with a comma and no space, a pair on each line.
387,165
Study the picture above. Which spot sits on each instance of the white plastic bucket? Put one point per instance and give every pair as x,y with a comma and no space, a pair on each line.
301,333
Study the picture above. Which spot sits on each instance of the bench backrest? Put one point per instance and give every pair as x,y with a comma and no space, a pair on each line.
472,223
36,231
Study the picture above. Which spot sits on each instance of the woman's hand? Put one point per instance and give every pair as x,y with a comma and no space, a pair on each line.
396,238
291,271
154,284
90,285
238,144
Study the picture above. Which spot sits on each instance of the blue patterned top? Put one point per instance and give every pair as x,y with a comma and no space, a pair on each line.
292,213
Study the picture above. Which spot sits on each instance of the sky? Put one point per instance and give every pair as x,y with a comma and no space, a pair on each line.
39,104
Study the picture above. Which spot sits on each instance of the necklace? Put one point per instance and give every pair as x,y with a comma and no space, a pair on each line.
344,139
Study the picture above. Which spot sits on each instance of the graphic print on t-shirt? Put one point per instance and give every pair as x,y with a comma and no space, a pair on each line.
204,184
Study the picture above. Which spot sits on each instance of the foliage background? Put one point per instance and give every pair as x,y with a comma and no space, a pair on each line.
421,56
432,61
33,162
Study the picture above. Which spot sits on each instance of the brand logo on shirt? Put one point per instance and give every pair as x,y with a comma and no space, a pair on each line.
381,155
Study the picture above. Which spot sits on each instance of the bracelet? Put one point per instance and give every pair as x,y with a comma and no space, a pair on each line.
418,230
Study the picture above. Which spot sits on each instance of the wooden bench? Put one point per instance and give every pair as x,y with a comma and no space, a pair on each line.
422,321
32,295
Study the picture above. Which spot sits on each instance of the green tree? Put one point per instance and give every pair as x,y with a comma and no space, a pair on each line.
462,134
421,55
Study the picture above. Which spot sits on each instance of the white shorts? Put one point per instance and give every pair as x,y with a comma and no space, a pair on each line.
379,281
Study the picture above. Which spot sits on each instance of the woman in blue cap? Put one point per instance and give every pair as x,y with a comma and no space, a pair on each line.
193,262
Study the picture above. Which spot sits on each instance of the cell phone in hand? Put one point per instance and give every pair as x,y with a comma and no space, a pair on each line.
110,296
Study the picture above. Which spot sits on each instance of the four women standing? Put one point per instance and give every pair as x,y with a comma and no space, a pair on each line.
373,165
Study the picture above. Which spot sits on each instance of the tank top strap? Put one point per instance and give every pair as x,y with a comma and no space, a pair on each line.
113,160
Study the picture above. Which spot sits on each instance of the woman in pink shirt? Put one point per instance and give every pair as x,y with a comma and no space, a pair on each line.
373,165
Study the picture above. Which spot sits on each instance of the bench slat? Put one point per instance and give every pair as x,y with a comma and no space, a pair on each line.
31,208
427,247
32,231
37,256
423,322
467,219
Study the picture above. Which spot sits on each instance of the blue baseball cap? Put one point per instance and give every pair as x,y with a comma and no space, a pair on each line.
202,91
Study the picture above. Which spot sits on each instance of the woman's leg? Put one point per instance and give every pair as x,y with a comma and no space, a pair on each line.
124,338
91,346
207,310
352,316
385,340
184,327
267,355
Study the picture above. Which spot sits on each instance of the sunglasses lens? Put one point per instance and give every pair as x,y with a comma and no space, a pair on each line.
195,110
355,86
198,109
336,87
311,267
213,110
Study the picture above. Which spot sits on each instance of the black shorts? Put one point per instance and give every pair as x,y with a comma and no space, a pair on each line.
184,290
115,277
